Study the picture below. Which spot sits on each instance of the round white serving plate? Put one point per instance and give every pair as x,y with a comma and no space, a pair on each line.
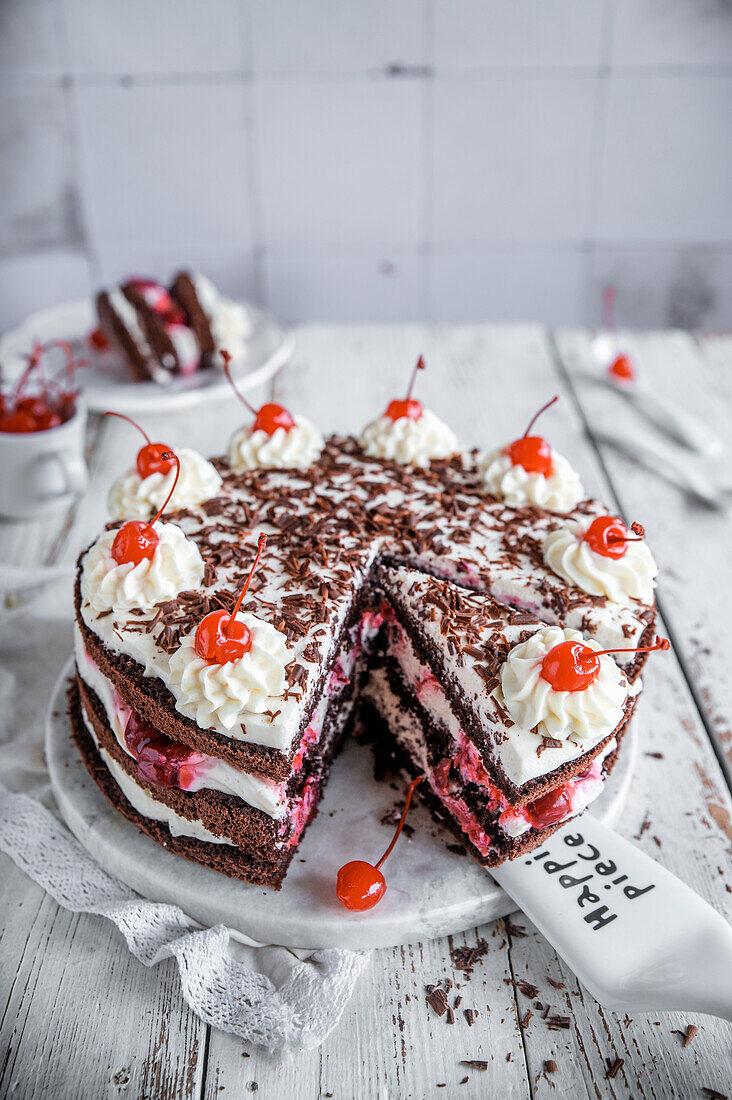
431,890
106,381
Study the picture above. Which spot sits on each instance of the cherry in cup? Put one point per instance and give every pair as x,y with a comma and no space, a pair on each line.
574,666
220,637
407,407
361,885
269,417
608,536
153,458
137,541
532,452
52,403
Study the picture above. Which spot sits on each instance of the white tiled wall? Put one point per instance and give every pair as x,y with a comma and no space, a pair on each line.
396,159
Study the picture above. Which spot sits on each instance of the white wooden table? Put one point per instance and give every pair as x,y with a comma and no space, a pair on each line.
80,1018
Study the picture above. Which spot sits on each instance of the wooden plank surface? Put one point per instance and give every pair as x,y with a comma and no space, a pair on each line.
486,381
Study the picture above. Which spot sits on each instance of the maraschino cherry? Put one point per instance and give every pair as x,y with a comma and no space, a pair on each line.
621,369
362,886
407,407
269,417
608,536
153,458
220,637
136,540
573,666
532,452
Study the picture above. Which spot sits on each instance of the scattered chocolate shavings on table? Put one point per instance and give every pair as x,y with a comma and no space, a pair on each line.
474,1063
527,1016
465,958
469,1015
714,1095
527,988
687,1035
614,1068
515,930
558,1023
550,1066
556,984
463,1080
436,997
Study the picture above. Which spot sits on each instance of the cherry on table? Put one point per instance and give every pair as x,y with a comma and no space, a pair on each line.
361,885
220,637
574,666
622,369
269,417
407,407
153,458
608,536
532,452
137,541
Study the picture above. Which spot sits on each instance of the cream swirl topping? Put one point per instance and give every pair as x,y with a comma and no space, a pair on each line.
214,694
295,449
560,492
175,566
631,577
409,442
533,703
133,497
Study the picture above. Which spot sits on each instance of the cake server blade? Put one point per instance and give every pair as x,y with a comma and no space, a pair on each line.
636,937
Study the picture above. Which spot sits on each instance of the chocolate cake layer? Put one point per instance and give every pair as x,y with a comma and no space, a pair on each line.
183,292
120,337
225,858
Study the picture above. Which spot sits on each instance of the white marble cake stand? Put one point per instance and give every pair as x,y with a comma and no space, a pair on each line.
432,891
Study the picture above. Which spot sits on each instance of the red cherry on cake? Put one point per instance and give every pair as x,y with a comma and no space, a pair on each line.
361,885
153,458
532,452
407,407
550,808
136,540
608,536
220,637
269,417
622,369
573,666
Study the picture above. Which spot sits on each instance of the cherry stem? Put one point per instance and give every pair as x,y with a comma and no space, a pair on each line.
419,365
260,547
226,356
536,416
410,791
130,421
608,306
33,360
164,456
637,528
661,643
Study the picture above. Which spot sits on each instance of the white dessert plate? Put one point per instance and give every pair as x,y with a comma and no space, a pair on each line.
106,381
432,891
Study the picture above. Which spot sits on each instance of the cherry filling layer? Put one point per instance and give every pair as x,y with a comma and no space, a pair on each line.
160,760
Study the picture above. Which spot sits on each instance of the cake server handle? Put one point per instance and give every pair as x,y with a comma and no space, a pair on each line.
634,934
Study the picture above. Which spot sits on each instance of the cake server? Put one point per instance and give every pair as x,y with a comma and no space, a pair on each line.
636,937
674,470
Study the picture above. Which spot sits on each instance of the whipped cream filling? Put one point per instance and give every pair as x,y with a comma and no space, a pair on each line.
295,449
560,492
186,348
533,703
217,695
128,315
230,322
409,442
631,577
133,497
175,566
210,773
145,804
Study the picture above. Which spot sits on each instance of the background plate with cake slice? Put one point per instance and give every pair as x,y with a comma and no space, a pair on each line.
152,347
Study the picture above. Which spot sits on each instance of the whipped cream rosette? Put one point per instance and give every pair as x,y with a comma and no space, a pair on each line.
408,441
560,491
136,497
583,716
213,693
294,448
529,471
175,565
625,575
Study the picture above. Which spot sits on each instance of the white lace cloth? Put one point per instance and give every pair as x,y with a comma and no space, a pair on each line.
281,999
